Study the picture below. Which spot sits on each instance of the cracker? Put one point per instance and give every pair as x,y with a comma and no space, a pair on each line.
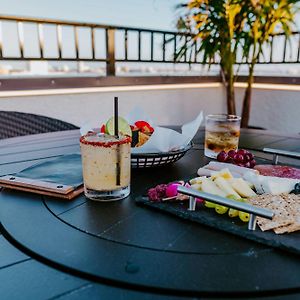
286,208
277,221
290,228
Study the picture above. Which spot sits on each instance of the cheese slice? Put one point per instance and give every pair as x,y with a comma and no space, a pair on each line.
242,188
277,185
208,186
226,187
270,184
225,173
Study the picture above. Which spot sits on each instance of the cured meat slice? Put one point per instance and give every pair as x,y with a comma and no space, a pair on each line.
218,166
278,171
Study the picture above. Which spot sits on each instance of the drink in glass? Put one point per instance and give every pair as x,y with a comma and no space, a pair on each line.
222,132
106,166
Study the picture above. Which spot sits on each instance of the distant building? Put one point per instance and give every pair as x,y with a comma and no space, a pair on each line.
38,67
5,69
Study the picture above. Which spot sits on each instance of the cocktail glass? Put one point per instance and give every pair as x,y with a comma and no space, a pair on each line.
106,166
222,132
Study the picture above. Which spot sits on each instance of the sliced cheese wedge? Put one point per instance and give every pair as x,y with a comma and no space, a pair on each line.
225,186
255,180
196,186
197,180
208,186
242,188
224,173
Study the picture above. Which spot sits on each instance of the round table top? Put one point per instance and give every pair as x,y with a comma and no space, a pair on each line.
131,247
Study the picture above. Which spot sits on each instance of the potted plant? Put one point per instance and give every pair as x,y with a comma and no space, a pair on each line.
263,20
224,26
218,25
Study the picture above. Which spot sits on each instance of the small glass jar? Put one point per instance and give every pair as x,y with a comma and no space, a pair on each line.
106,165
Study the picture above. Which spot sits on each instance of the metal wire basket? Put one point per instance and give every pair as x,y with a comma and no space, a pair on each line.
150,160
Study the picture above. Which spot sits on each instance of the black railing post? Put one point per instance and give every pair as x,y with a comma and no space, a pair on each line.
298,53
110,52
59,40
21,39
1,43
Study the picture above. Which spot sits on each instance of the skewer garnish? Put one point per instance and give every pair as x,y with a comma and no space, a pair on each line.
168,192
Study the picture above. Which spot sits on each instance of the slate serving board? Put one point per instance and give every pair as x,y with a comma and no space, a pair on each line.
208,217
60,177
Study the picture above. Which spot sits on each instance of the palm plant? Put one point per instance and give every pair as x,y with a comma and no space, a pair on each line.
225,26
264,19
218,24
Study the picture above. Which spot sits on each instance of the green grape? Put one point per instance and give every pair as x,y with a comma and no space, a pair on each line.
232,213
220,209
232,197
209,204
244,216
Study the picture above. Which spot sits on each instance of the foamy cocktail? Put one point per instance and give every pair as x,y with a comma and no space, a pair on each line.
105,166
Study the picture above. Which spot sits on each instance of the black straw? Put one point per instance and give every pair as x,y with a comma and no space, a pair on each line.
116,116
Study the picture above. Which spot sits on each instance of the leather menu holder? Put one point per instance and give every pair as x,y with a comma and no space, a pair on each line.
60,177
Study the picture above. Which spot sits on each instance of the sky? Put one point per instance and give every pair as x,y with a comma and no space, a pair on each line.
154,14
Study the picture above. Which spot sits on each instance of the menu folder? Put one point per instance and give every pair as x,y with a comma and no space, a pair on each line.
60,177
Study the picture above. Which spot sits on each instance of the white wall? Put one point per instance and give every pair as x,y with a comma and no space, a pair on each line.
167,105
275,109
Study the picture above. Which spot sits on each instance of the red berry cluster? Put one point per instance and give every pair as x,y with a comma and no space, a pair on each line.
241,157
157,193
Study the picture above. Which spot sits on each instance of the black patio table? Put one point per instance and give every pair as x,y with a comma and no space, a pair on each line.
80,249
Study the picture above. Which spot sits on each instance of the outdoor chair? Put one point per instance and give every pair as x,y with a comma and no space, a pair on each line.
14,124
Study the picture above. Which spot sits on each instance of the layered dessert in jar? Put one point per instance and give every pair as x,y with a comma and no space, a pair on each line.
106,166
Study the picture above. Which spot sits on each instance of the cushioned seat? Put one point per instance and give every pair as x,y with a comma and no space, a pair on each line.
17,123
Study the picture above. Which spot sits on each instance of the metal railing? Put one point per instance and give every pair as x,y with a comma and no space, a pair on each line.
151,46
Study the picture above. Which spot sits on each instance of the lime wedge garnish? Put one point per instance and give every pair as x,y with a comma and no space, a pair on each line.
124,127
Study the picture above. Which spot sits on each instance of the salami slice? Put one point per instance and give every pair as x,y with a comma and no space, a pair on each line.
278,171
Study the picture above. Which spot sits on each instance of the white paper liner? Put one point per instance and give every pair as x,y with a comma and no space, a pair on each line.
163,139
166,139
